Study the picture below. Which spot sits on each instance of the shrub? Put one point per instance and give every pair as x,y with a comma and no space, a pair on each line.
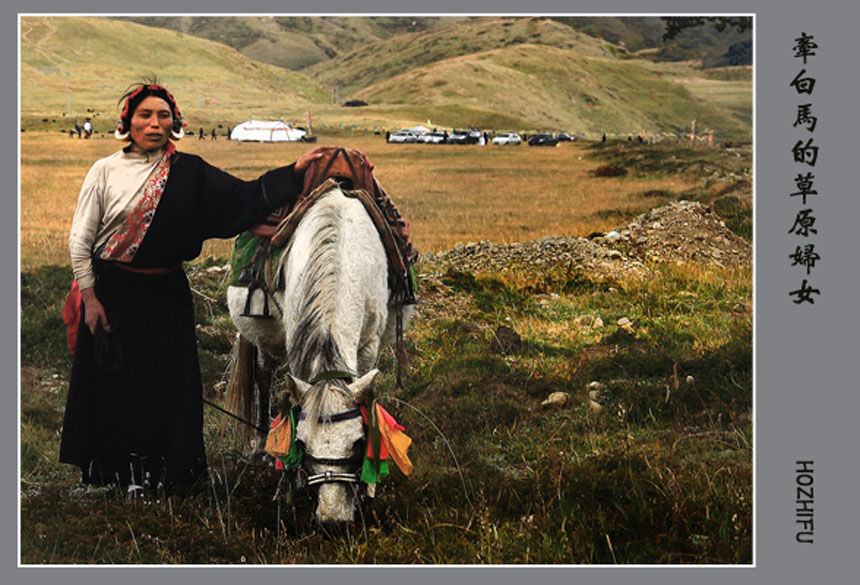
610,170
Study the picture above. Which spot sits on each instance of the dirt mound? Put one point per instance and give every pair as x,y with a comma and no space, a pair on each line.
547,252
680,232
685,231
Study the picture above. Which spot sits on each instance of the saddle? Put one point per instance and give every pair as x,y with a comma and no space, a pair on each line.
344,165
353,172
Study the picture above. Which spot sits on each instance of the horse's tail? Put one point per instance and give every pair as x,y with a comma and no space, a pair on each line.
239,398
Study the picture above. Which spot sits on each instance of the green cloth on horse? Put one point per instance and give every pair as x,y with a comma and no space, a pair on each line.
247,256
294,457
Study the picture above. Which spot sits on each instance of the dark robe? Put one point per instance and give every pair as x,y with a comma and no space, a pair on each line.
144,423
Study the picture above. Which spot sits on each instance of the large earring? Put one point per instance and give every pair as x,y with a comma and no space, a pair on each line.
177,131
119,135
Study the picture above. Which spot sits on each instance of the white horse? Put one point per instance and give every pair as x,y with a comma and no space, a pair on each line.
332,317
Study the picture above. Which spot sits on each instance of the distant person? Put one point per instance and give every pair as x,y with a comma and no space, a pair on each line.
78,128
214,134
639,139
88,128
134,411
387,136
603,138
200,135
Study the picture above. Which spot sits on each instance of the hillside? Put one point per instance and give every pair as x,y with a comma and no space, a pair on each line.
293,42
644,36
551,87
384,59
495,73
80,66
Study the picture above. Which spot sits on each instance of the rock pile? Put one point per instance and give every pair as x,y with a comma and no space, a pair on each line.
547,252
684,231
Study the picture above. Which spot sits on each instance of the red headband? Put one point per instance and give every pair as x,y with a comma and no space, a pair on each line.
157,91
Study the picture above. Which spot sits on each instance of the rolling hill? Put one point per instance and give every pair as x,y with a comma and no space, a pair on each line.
523,73
551,87
81,66
382,60
293,42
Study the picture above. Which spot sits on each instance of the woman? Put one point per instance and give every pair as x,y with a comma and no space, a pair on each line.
134,413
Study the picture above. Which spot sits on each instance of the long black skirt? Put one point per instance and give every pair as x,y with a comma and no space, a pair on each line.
141,422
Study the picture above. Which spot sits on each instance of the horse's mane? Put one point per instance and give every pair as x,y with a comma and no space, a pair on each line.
314,401
313,347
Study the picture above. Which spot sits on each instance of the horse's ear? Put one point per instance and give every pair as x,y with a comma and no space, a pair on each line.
296,389
361,388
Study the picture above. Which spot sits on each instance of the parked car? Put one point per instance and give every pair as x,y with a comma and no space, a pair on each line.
543,139
474,136
565,137
432,138
403,136
458,137
508,138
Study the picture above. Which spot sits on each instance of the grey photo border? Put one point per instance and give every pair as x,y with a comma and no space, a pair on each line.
804,390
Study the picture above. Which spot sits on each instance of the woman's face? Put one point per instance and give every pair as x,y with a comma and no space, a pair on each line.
150,124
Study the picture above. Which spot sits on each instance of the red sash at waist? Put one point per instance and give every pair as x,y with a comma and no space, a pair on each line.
149,271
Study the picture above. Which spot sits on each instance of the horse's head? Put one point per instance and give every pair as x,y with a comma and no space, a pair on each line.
331,432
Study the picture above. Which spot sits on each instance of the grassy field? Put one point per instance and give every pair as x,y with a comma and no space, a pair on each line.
657,469
504,194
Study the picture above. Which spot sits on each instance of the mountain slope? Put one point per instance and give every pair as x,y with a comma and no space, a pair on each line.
550,87
86,64
293,42
382,60
493,73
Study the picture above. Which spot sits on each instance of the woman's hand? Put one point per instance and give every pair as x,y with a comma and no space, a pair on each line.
94,312
305,161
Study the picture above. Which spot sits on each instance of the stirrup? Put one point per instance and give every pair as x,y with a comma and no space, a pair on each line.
253,286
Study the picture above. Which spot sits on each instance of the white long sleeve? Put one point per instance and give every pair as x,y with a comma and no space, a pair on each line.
109,192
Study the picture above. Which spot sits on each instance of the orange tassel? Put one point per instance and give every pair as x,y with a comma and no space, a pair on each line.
394,439
280,435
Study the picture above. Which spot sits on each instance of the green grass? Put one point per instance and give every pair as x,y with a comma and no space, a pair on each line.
658,470
661,475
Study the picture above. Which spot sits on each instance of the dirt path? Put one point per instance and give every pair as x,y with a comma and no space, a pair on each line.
31,26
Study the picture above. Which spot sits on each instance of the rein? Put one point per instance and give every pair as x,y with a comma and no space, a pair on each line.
238,418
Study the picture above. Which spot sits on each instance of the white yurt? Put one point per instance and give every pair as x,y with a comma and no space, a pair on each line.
265,131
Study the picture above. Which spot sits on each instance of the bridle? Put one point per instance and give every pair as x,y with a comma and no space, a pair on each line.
329,476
